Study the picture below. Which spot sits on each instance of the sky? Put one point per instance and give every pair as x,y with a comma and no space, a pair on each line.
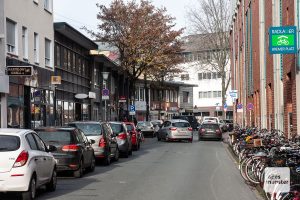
79,13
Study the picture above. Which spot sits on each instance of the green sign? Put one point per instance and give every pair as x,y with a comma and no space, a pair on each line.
282,40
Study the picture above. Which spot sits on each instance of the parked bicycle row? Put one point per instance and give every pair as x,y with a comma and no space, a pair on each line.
270,160
30,159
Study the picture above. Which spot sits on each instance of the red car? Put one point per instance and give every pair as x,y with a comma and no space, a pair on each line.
136,136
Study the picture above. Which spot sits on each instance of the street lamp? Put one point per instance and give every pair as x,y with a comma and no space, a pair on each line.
105,77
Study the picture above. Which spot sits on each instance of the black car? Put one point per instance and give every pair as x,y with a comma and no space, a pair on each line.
210,130
74,151
190,118
105,146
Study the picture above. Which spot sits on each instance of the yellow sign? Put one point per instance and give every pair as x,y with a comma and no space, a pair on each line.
55,80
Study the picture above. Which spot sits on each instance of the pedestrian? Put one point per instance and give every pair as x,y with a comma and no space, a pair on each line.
134,121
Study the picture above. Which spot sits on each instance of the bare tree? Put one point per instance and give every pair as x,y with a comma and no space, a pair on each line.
211,21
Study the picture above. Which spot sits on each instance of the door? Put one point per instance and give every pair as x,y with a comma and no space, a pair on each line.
89,149
83,146
164,129
112,141
78,112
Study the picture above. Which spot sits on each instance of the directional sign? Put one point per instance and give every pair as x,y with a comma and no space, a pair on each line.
105,94
283,40
250,106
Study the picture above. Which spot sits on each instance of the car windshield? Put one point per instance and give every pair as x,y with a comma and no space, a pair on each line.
9,143
181,124
156,123
210,119
210,126
89,129
144,124
116,128
129,127
64,137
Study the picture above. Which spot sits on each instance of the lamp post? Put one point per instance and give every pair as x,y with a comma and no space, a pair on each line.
105,77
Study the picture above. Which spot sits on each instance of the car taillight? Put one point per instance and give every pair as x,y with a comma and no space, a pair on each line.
218,131
173,129
70,147
202,130
102,143
22,159
190,129
122,136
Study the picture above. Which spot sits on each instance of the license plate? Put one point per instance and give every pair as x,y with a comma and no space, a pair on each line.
182,132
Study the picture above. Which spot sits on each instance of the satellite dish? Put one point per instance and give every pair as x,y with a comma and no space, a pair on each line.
81,96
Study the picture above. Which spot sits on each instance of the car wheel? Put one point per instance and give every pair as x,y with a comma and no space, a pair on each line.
51,186
117,155
199,138
79,172
93,164
31,193
158,138
107,159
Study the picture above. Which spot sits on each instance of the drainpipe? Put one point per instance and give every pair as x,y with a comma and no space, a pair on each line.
297,67
244,68
262,49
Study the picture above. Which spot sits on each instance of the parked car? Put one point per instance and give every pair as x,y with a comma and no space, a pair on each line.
136,137
190,118
146,128
157,125
210,130
229,123
105,146
73,152
26,163
123,137
210,119
175,129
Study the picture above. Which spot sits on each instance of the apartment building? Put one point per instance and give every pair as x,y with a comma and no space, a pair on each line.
270,82
29,38
205,99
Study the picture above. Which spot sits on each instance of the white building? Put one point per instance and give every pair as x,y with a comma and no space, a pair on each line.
206,99
28,37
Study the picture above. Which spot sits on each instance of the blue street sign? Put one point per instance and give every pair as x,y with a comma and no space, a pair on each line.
239,106
105,92
283,40
132,108
225,106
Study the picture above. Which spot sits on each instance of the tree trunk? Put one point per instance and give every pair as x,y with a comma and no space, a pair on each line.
223,91
146,97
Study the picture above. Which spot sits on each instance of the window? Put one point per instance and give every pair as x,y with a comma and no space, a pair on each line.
215,94
142,92
11,32
185,97
96,77
209,94
219,94
175,96
199,76
208,75
200,95
137,93
47,5
167,96
171,96
47,53
214,75
204,94
58,56
25,42
36,48
204,76
40,143
219,75
31,141
185,77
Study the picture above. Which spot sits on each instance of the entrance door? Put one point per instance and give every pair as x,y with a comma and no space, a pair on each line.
78,112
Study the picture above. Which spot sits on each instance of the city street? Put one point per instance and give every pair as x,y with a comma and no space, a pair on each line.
168,171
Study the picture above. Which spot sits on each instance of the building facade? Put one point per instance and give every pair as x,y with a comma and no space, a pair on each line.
270,82
29,42
206,98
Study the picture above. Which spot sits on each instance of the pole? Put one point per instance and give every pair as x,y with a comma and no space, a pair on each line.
105,110
250,118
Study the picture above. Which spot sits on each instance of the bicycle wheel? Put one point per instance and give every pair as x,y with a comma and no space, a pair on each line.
250,171
243,169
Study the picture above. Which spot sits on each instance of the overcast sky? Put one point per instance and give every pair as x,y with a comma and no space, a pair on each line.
79,13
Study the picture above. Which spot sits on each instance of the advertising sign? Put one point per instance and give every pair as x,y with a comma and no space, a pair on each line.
19,70
283,40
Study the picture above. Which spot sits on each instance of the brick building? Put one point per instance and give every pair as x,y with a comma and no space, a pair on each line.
268,81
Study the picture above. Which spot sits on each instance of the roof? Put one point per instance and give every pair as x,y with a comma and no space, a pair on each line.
85,122
198,42
177,120
73,34
13,131
68,128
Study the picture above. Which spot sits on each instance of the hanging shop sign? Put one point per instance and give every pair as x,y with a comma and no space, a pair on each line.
19,70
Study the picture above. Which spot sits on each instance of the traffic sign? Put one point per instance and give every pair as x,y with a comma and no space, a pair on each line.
283,40
105,94
250,106
239,106
132,110
225,106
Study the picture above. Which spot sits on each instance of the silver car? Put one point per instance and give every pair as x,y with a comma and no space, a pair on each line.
146,128
175,129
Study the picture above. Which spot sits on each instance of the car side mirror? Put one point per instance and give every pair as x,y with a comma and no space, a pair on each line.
92,141
138,130
51,148
113,135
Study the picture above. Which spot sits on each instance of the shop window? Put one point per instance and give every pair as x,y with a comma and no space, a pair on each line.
85,112
65,113
59,113
15,109
71,112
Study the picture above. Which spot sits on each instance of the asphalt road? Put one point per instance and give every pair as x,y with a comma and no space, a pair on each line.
161,171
